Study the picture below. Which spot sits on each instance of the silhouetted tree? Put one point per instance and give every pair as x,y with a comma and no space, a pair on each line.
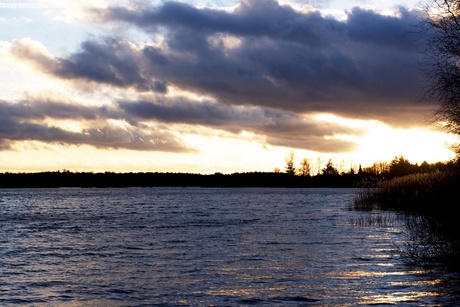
443,70
290,168
400,166
305,167
319,162
377,169
424,167
329,169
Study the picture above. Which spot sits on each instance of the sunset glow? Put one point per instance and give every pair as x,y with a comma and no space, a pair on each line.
211,86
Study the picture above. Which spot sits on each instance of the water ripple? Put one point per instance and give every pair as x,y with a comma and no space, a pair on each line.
204,247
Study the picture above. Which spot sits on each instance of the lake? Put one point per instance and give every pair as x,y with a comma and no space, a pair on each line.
207,247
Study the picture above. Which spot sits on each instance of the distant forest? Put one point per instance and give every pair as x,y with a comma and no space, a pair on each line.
329,176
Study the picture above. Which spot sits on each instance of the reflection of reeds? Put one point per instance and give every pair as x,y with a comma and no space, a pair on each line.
429,202
433,240
376,219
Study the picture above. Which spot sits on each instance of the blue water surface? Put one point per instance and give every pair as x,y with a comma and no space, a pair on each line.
206,247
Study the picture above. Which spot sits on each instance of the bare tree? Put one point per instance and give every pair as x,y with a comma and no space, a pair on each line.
319,162
443,62
305,167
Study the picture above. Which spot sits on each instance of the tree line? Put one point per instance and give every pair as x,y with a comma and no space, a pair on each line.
328,176
397,167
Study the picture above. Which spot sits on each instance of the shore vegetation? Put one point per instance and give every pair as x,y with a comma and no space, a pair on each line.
328,176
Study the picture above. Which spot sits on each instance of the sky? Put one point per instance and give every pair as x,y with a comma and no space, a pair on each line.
210,86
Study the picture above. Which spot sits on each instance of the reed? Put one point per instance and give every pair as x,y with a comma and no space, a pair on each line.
432,240
429,202
374,219
415,192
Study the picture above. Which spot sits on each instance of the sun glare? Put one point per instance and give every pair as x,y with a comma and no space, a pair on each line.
381,142
417,145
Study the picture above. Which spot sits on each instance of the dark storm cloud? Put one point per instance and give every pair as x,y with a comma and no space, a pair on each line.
41,109
280,128
365,67
26,121
263,65
112,62
253,18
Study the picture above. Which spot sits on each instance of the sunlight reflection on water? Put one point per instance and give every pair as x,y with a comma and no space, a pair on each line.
202,247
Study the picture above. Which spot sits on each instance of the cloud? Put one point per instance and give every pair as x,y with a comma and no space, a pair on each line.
41,109
26,5
27,121
142,125
265,67
279,128
365,66
34,52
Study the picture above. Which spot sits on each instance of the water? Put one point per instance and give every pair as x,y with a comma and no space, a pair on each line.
205,247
